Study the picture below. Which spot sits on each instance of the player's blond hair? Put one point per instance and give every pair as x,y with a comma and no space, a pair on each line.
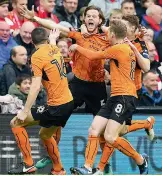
119,29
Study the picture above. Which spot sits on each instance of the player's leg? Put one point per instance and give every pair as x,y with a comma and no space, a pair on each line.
22,139
47,160
143,124
92,146
46,134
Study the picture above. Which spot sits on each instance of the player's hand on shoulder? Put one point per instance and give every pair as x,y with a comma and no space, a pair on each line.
54,35
73,48
127,41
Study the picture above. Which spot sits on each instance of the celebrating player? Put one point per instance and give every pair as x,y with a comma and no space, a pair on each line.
118,110
48,67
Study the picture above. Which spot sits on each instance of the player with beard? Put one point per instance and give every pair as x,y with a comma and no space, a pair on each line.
88,75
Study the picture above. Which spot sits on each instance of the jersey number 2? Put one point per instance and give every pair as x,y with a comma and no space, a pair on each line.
61,68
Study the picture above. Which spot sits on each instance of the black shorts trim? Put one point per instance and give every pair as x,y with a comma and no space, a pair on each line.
53,115
119,108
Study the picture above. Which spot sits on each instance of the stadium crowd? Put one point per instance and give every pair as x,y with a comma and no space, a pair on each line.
16,45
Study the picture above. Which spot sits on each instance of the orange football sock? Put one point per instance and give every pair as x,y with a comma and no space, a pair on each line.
91,150
57,135
23,143
137,125
54,153
106,154
102,142
125,147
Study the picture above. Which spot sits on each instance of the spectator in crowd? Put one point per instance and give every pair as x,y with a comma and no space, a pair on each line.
6,43
64,49
145,4
15,67
128,8
3,9
115,14
106,6
68,12
150,96
149,35
158,44
20,88
15,15
45,10
153,19
4,4
152,56
24,37
81,14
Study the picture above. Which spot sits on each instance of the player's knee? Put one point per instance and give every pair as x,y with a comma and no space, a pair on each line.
44,136
109,138
13,123
93,131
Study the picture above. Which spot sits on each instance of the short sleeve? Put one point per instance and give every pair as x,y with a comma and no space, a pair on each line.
37,66
112,52
75,35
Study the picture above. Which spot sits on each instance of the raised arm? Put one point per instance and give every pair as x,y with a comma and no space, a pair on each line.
49,24
143,62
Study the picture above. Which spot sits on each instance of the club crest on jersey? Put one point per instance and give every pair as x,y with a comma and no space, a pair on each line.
40,109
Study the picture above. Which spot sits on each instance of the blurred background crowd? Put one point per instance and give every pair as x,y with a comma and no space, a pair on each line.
16,46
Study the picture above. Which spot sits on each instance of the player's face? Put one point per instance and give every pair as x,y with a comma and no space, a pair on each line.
128,9
25,86
92,20
63,48
19,5
48,5
151,82
111,37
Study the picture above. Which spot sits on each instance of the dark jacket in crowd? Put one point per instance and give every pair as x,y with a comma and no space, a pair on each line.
29,47
64,16
158,44
10,73
145,99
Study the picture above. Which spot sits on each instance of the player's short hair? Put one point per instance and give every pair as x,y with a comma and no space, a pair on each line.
126,1
39,35
119,29
101,15
133,20
21,78
115,11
